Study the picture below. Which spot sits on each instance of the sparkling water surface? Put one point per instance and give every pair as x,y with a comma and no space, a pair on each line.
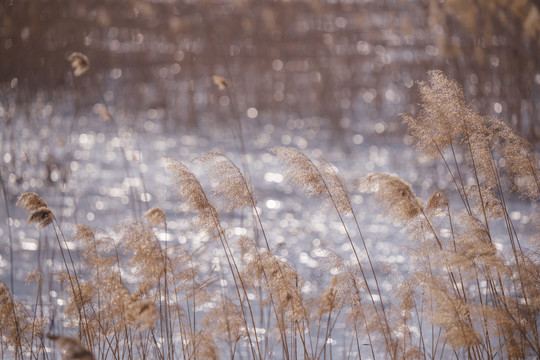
80,171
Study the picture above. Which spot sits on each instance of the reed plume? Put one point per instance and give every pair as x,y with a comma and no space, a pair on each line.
40,214
279,279
437,203
520,162
97,247
146,258
230,183
345,286
225,321
79,63
453,314
142,312
42,217
18,328
220,82
193,198
9,324
395,196
72,348
325,182
31,202
439,121
477,306
484,200
155,217
301,171
444,120
337,186
205,346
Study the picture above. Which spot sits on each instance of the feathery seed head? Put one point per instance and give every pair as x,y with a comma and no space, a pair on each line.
72,347
31,202
193,197
344,288
444,119
300,170
231,184
4,293
220,82
34,276
225,321
323,181
520,161
155,216
280,279
473,244
188,187
479,141
337,186
487,202
79,63
143,312
453,314
83,232
42,217
440,119
38,209
394,194
438,202
206,347
79,297
146,254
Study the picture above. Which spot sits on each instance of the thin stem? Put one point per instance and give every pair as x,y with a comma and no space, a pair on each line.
8,218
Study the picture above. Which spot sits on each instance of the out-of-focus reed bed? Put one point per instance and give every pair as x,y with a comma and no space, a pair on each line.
133,296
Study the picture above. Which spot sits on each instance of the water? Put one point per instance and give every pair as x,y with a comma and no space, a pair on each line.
80,171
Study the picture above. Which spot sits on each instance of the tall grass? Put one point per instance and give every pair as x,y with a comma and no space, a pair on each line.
466,292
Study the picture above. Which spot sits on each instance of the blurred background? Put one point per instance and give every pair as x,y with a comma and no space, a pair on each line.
345,64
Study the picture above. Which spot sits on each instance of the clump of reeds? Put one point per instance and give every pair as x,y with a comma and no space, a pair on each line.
324,181
131,295
20,331
479,296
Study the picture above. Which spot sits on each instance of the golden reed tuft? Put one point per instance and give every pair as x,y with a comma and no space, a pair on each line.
322,181
40,213
395,195
31,202
42,217
220,82
193,198
230,183
79,63
155,217
72,348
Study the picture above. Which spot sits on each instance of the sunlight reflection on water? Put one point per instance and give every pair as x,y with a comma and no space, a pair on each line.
301,230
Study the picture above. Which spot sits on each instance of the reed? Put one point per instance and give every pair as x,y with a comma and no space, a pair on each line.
467,290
